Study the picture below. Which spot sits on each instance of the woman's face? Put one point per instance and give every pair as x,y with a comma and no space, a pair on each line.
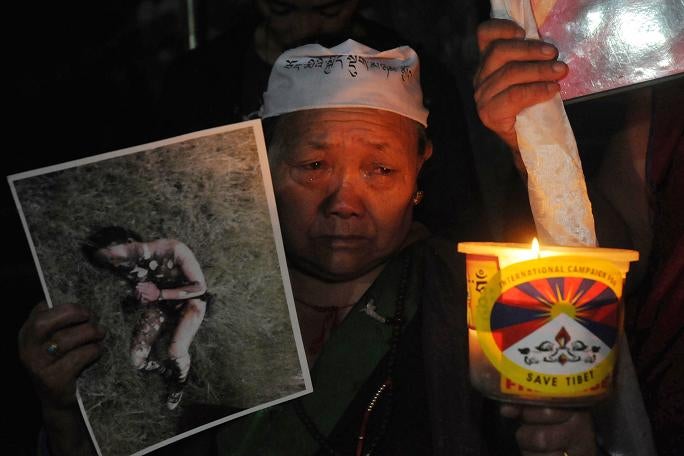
344,181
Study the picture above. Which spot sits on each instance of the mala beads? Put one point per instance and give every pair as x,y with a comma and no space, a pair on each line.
385,390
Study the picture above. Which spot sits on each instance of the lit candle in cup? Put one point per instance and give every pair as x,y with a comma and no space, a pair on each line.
544,322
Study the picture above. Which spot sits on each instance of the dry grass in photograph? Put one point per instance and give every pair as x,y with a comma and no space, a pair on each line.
208,193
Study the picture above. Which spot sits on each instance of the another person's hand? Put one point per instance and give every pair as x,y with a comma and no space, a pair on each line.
147,292
55,345
548,431
514,73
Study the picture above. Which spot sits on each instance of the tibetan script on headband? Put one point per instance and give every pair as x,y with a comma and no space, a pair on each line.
351,63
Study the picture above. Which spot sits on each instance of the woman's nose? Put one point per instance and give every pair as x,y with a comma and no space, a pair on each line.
345,195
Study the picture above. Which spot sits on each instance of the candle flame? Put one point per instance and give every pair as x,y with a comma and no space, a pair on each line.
535,247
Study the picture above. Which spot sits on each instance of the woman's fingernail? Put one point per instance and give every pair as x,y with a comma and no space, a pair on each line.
548,50
558,67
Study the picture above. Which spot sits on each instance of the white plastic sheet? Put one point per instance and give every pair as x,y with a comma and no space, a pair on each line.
555,181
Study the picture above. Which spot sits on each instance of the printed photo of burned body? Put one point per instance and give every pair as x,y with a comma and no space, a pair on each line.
170,247
168,283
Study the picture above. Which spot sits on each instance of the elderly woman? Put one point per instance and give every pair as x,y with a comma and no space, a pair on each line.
380,303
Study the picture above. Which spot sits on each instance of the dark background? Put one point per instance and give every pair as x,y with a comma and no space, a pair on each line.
86,77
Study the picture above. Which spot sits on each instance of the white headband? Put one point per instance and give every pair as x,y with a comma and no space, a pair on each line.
347,75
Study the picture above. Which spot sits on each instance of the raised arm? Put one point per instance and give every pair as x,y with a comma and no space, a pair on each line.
514,73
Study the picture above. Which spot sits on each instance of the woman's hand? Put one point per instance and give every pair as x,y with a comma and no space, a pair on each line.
514,73
55,345
548,431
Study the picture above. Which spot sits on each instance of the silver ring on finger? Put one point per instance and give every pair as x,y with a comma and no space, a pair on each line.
53,348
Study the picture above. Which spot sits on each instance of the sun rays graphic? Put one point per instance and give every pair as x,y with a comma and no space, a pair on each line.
525,308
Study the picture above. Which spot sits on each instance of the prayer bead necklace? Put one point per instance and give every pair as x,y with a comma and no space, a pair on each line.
385,390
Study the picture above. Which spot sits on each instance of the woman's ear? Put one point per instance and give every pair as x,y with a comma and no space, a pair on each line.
425,156
428,150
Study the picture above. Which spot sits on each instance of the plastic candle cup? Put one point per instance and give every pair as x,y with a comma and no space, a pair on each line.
544,323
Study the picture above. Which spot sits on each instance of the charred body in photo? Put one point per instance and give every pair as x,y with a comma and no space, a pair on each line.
167,283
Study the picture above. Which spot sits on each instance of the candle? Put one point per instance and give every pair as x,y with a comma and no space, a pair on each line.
544,321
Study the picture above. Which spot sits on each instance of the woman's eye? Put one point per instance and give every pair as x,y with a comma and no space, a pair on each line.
308,172
383,170
313,166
